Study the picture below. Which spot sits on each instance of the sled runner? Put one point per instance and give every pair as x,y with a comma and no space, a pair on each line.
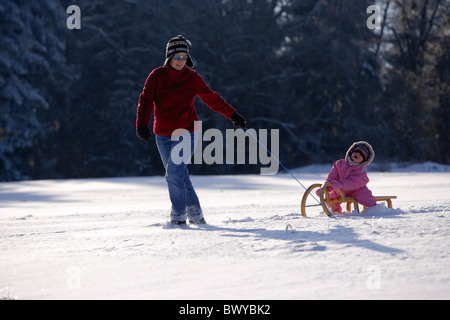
326,202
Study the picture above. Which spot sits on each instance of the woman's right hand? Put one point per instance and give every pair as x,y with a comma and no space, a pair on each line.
143,132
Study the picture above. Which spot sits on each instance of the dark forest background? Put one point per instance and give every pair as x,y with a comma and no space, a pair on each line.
310,68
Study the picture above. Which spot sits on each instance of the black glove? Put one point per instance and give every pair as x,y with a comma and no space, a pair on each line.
143,133
238,120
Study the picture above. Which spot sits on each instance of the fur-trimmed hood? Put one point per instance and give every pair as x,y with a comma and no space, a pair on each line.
363,147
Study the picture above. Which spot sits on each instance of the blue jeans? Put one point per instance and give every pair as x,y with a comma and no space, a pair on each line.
175,156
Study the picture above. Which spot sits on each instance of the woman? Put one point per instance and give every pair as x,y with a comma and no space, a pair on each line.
169,92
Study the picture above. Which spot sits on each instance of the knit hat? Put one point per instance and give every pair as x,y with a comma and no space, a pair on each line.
178,44
365,149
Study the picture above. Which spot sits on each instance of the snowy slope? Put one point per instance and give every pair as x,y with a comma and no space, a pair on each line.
105,239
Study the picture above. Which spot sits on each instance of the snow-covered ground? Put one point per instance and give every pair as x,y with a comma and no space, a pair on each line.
107,239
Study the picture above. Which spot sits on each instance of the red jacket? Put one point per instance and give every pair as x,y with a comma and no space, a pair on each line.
171,94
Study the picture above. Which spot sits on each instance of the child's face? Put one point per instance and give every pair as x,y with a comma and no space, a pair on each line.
356,157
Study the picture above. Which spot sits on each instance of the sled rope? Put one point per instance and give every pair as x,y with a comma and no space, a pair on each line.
279,162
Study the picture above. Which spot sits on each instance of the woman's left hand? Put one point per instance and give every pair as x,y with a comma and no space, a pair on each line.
238,120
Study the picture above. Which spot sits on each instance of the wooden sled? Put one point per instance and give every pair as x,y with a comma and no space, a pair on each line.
326,202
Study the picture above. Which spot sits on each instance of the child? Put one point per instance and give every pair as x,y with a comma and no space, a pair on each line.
350,176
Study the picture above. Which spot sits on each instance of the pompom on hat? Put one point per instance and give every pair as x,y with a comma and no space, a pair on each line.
178,44
365,149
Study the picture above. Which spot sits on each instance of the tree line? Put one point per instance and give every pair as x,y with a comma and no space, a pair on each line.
311,68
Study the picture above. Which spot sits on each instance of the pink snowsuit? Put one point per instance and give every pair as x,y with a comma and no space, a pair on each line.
352,179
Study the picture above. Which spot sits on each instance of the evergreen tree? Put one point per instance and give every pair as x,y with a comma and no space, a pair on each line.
31,62
310,68
330,78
